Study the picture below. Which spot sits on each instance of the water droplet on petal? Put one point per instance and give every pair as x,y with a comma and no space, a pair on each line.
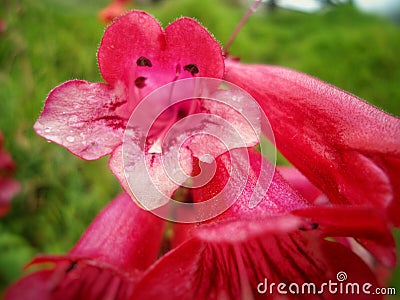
47,129
83,138
73,120
70,139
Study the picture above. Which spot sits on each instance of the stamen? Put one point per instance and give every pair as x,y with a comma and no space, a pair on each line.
144,62
140,82
239,26
192,68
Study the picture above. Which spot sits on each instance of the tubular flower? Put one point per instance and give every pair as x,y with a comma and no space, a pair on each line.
330,137
106,263
347,148
135,57
95,123
282,240
8,186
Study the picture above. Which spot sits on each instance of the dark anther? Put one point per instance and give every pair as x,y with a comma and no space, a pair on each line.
140,82
192,68
311,226
71,266
144,62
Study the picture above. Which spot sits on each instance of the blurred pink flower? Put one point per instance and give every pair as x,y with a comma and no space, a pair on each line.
8,186
115,9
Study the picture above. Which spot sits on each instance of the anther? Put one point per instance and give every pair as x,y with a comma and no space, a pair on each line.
144,62
140,82
192,68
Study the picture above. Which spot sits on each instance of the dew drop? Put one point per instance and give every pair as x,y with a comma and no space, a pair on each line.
70,139
47,129
73,120
83,138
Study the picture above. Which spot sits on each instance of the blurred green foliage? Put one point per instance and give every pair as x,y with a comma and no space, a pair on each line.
50,41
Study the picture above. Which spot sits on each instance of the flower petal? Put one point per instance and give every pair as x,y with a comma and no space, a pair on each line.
135,46
123,236
134,35
248,168
72,280
200,269
86,118
154,187
346,147
191,44
106,263
362,223
31,287
301,184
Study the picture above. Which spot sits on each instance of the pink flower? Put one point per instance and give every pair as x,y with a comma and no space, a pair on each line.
228,257
331,137
281,240
135,57
3,26
8,186
346,147
113,10
349,149
120,244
